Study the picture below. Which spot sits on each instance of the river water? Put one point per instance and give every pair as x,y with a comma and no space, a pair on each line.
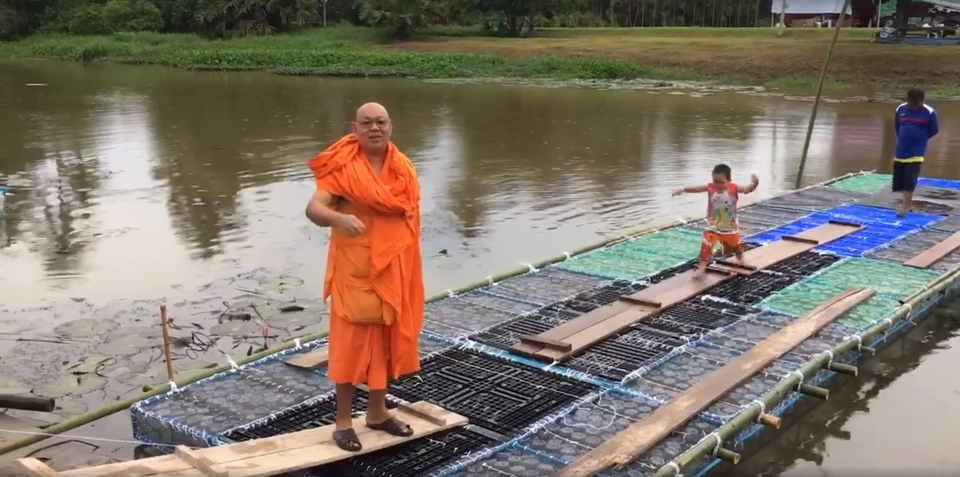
131,185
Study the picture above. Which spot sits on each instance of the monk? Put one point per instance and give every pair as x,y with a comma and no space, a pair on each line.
369,196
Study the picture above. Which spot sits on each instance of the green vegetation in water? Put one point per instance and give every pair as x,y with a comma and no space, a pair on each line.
807,84
948,92
336,51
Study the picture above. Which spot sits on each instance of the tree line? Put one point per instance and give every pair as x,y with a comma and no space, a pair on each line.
239,18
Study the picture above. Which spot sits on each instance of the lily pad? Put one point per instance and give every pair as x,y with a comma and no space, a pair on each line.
71,385
85,328
127,345
281,283
11,385
449,266
70,407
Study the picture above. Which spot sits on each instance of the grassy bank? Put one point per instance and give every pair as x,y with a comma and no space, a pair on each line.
742,55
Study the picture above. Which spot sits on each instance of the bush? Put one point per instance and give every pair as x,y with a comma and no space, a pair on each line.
89,20
133,15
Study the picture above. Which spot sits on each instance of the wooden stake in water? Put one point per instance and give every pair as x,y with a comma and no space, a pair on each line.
816,101
166,342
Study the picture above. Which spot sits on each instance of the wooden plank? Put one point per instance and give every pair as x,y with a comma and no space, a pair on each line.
596,334
312,361
829,231
678,288
545,343
791,238
284,453
580,323
38,468
199,462
637,439
930,256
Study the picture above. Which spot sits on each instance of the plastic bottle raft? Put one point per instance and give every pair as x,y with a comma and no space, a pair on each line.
554,370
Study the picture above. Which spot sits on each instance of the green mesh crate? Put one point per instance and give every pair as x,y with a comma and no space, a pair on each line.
621,262
865,183
676,242
891,279
801,298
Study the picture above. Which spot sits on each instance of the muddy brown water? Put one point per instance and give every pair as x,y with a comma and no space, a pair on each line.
135,185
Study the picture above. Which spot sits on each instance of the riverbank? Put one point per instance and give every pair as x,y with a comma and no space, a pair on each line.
754,56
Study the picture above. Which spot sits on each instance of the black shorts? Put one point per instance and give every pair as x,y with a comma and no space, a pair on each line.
905,175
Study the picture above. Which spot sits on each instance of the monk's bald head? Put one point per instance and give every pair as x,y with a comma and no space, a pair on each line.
373,127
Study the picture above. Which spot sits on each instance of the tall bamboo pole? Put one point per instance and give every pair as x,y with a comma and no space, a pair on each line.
816,101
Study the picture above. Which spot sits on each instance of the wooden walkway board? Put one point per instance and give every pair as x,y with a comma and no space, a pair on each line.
930,256
566,340
273,455
312,361
641,436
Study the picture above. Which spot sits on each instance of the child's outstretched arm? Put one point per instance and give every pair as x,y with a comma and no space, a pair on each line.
690,189
752,186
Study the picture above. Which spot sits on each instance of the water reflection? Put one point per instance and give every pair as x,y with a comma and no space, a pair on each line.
126,180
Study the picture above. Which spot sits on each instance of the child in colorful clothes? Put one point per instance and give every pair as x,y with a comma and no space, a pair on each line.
722,225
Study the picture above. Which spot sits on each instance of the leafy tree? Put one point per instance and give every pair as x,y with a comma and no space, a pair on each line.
403,15
132,15
240,18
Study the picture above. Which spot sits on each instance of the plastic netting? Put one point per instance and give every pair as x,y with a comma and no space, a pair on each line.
915,244
941,183
593,423
864,183
928,200
640,257
889,279
882,227
803,297
531,419
813,199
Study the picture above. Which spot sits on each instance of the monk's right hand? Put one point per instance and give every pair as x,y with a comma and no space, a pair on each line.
350,224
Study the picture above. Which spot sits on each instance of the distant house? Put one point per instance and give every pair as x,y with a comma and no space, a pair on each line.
812,13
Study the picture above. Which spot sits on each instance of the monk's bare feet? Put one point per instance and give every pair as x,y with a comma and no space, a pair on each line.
346,439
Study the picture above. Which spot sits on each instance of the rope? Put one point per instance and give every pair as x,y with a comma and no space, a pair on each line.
73,437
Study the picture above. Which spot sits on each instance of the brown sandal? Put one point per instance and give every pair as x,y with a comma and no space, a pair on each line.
393,426
346,439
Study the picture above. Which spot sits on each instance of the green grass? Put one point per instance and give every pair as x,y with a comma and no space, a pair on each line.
808,84
338,51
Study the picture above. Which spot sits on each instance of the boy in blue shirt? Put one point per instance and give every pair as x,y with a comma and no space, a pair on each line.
915,123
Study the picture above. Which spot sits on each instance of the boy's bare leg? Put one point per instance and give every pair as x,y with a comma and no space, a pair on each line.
701,270
906,204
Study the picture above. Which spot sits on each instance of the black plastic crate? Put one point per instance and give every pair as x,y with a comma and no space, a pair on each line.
805,264
493,393
318,414
706,314
673,271
681,331
616,357
749,290
506,335
411,459
605,295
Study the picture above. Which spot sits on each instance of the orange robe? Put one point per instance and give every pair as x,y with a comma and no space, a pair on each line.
376,279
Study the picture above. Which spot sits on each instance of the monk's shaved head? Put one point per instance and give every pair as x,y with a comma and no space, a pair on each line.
373,127
371,110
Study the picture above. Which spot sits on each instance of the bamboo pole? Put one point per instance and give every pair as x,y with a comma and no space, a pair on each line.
791,383
165,329
816,100
118,406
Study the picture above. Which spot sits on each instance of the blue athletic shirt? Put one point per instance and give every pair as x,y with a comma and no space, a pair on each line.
914,128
